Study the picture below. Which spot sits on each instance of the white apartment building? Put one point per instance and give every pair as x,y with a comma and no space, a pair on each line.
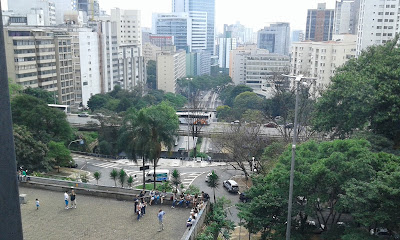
62,7
129,29
24,7
34,18
378,23
41,58
199,30
320,59
170,67
86,65
131,67
255,67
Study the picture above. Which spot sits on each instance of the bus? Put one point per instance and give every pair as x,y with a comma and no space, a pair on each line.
161,175
64,108
201,118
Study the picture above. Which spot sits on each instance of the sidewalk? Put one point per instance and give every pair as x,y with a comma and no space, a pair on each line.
95,218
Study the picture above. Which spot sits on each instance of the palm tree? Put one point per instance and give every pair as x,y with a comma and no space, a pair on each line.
147,130
176,178
114,175
122,177
213,182
97,176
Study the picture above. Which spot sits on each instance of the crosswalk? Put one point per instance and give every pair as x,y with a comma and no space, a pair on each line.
117,166
188,178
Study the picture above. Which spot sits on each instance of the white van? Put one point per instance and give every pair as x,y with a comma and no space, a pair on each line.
161,175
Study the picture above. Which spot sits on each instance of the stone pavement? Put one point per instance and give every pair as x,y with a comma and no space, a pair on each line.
95,218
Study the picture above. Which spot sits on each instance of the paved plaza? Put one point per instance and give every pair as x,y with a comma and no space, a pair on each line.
95,218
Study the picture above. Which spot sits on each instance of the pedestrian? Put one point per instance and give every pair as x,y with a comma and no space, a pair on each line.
187,200
181,200
173,200
163,194
160,215
37,204
136,200
66,199
138,211
24,175
151,197
144,205
73,199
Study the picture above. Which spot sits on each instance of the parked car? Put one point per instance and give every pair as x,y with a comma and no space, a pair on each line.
231,186
243,197
208,177
271,125
83,115
72,164
289,125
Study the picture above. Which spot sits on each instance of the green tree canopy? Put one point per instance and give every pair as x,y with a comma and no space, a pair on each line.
330,178
229,94
43,122
364,95
60,153
44,95
152,74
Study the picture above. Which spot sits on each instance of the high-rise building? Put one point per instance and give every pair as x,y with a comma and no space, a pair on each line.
34,18
41,58
129,29
90,7
178,25
319,25
241,33
170,67
256,68
62,7
199,30
131,67
23,7
161,40
297,36
320,59
378,23
225,46
86,65
275,38
198,63
205,6
346,17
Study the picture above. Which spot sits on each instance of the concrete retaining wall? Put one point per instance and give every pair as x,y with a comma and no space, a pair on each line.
191,233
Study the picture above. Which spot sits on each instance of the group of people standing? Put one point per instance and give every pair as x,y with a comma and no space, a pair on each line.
70,198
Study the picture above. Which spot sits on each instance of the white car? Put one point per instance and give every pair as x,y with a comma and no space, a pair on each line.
231,186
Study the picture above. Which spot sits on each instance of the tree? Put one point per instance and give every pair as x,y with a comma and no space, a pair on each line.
44,95
229,94
97,176
213,182
29,152
97,101
217,222
327,183
14,88
114,175
246,101
129,181
43,122
224,113
176,178
122,177
241,142
152,74
364,95
60,153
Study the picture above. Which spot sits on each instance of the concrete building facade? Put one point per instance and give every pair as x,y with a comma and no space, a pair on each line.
170,67
198,63
320,59
319,26
378,23
20,7
346,17
129,29
131,67
275,38
225,46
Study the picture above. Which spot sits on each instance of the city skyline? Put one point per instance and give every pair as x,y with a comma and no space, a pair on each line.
256,14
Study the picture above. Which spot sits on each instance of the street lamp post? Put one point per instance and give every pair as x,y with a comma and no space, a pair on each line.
188,112
252,165
290,202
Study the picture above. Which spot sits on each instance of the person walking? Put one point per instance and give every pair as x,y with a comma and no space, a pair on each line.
73,199
144,205
160,216
66,199
37,204
138,211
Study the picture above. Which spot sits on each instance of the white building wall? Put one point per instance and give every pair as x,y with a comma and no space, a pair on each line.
170,67
129,29
89,57
199,30
378,23
62,6
25,7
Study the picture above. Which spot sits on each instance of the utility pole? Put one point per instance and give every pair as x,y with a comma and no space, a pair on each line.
10,217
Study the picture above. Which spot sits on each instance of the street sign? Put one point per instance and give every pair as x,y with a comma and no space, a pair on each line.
144,168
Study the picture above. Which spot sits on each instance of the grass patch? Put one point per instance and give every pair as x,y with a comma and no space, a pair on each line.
159,186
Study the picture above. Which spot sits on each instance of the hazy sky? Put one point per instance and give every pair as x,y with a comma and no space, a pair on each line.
251,13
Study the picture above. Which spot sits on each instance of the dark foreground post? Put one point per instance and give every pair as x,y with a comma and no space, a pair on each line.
10,217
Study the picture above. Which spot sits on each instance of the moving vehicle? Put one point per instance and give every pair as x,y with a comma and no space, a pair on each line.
196,118
231,186
208,177
161,175
83,115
